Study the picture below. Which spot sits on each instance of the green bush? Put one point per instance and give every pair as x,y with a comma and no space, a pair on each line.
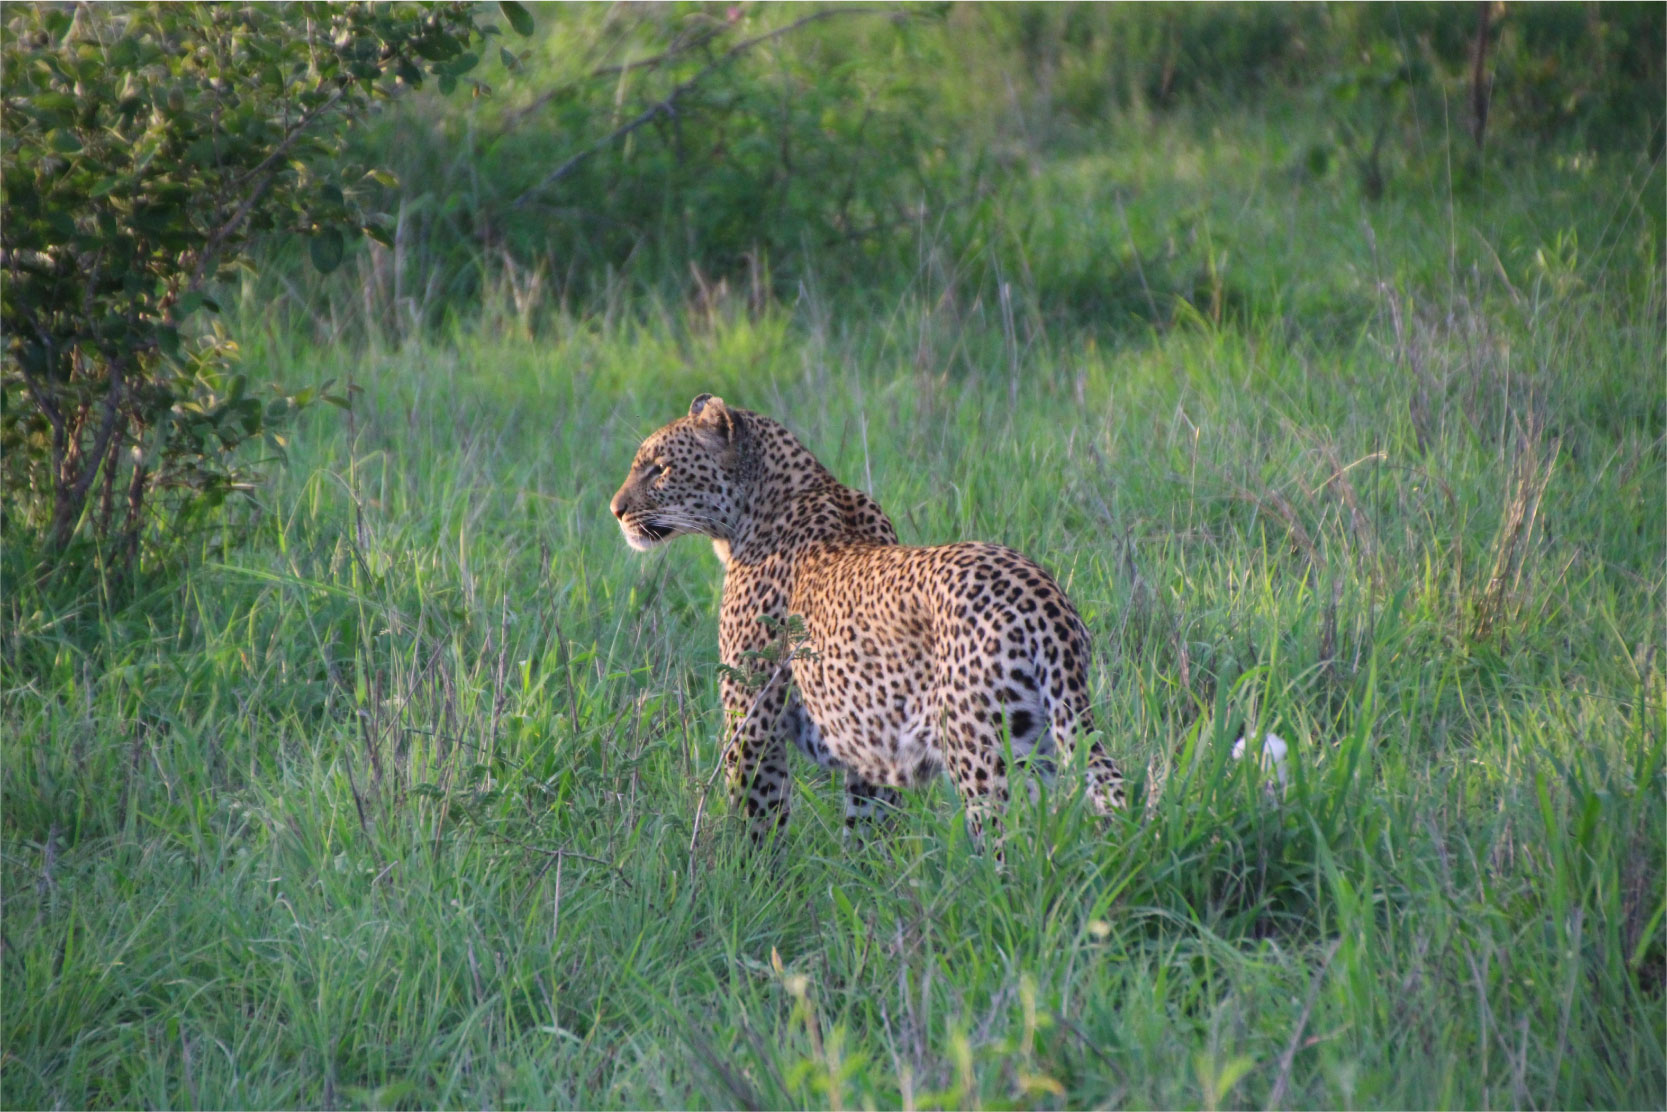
145,148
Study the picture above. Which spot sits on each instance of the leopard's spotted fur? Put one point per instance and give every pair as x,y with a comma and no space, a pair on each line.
918,659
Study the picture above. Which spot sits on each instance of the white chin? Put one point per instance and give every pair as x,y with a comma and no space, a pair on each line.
640,542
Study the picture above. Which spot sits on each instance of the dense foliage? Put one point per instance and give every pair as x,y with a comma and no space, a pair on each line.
145,149
761,147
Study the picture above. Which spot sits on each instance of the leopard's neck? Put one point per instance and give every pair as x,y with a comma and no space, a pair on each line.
828,514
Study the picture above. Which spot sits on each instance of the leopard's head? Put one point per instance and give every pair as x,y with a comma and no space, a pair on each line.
684,478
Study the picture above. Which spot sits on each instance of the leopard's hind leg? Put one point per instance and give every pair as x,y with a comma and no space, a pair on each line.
971,738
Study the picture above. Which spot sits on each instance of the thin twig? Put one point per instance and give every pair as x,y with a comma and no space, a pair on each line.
1134,253
883,226
358,800
1091,1046
545,868
1346,468
1282,1084
734,736
677,50
560,853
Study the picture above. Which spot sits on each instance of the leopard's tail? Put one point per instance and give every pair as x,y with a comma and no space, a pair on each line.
1071,721
1072,726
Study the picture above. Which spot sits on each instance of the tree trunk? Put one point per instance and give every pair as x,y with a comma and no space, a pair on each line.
1480,86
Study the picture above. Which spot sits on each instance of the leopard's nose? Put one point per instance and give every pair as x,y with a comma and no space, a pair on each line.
616,507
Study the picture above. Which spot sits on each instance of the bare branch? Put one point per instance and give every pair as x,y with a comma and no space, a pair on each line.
48,404
668,105
677,50
561,853
71,501
267,167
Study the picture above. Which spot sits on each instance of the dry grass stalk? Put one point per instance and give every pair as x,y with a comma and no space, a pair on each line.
1529,478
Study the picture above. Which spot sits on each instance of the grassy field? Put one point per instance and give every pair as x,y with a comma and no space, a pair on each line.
389,797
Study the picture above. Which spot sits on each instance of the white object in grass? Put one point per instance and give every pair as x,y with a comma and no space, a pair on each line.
1271,758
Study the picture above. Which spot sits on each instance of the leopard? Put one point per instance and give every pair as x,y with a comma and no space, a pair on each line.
915,660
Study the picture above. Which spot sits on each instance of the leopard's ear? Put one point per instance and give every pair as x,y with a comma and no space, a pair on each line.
711,414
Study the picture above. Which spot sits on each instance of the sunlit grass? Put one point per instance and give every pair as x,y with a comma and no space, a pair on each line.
393,803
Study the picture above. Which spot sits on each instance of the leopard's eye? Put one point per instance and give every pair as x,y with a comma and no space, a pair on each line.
654,471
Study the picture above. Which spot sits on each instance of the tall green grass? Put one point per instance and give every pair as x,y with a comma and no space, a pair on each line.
388,798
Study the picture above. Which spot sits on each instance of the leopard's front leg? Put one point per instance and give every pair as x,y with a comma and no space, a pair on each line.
757,689
756,757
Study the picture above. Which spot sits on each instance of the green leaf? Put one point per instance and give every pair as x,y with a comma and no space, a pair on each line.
378,233
518,17
511,62
124,54
248,412
327,249
52,102
436,49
